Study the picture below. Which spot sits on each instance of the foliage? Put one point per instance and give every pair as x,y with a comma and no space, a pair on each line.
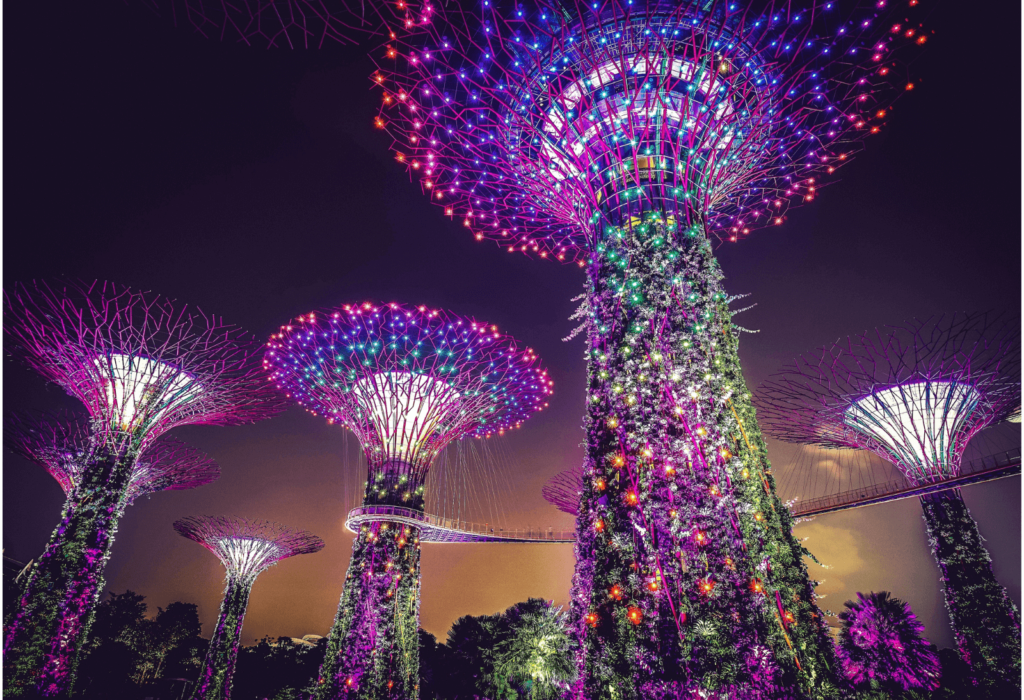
882,647
128,651
278,669
43,638
688,577
535,651
524,652
986,624
373,647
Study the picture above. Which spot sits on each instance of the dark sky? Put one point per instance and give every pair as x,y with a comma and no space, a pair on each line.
253,184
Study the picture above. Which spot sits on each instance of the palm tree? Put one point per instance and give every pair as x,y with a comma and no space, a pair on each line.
882,648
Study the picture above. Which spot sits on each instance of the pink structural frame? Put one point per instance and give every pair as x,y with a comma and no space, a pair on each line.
60,444
915,394
247,548
962,369
142,365
408,381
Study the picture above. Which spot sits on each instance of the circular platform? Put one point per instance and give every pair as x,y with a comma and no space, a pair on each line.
435,529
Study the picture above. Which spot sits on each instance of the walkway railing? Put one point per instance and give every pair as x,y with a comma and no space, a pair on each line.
988,468
436,529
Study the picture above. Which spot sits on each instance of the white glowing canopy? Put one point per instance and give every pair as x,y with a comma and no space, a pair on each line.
405,409
247,556
139,390
919,424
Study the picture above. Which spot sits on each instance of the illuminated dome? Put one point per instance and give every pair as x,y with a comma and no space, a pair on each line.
920,424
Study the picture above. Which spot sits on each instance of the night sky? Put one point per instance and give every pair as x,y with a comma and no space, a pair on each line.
253,185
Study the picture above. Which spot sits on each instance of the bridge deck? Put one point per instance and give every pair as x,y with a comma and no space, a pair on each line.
986,469
435,529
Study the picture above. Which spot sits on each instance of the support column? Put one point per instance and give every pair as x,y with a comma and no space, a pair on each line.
215,677
373,648
688,576
985,622
42,639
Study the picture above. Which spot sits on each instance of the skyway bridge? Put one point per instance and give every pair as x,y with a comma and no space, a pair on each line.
447,530
990,468
436,529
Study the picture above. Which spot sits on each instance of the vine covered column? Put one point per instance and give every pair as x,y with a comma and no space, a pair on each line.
215,676
373,648
42,639
985,621
688,577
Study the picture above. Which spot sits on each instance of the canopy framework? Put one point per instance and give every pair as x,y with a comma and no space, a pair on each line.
141,364
915,394
247,548
60,443
542,125
407,381
564,490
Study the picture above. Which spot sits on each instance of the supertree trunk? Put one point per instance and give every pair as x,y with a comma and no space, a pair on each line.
43,638
688,576
985,622
373,649
218,669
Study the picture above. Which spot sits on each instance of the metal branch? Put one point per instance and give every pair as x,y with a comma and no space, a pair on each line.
247,547
140,363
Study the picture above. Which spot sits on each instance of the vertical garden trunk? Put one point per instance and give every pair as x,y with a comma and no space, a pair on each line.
688,576
373,648
985,622
214,681
44,636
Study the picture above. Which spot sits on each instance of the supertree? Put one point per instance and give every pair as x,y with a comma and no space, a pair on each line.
141,365
623,135
915,394
881,645
563,490
247,548
289,24
60,444
407,381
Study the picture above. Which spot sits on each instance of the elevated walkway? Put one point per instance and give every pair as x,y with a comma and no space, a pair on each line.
435,529
989,468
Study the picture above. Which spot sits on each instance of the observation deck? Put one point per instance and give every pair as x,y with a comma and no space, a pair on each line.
436,529
988,468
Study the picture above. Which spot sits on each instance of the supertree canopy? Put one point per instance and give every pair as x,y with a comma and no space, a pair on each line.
289,24
141,365
915,394
247,548
60,444
407,381
622,135
563,490
882,647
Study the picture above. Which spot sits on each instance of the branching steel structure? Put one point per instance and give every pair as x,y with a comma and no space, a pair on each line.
60,444
623,135
407,381
564,489
247,548
141,365
915,395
